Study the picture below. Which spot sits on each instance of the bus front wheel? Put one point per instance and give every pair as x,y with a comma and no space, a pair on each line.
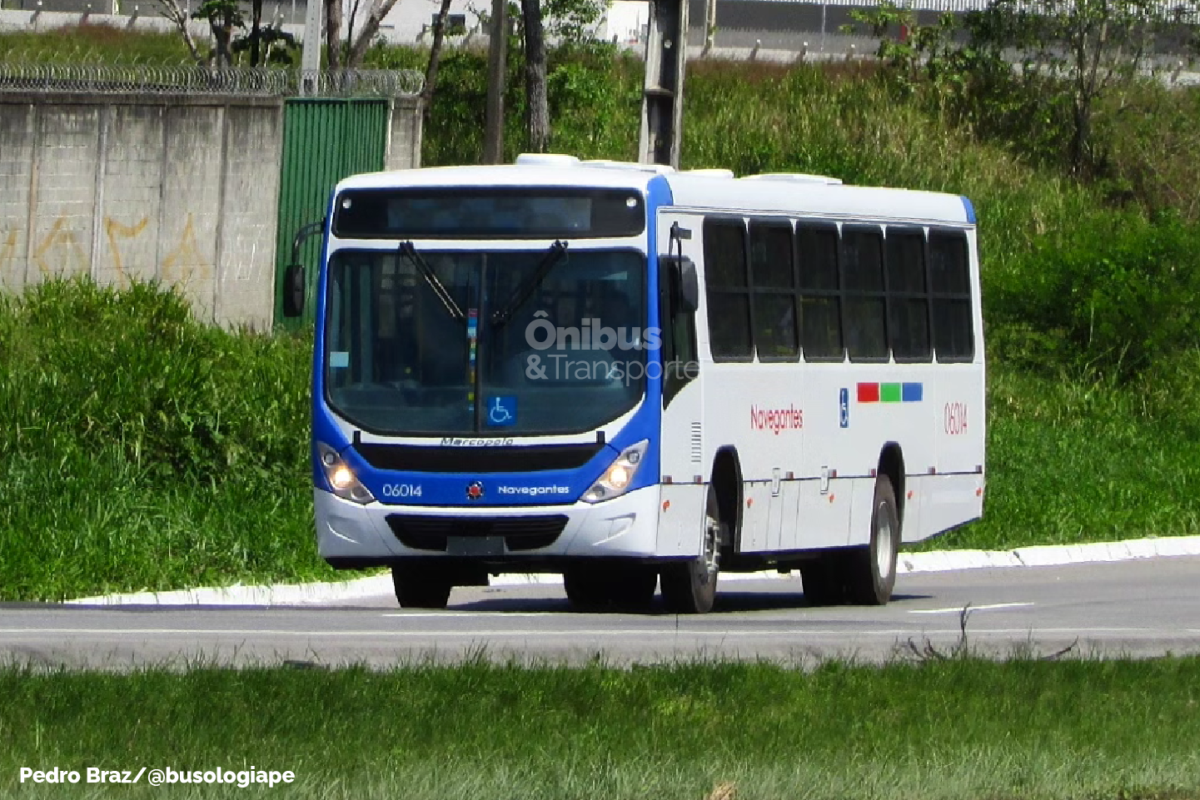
613,587
421,587
690,587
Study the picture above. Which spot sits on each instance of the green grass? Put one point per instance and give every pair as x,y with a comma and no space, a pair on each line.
142,450
960,729
1069,462
145,450
94,44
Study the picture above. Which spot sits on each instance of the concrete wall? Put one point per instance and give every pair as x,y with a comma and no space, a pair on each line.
177,189
404,144
184,190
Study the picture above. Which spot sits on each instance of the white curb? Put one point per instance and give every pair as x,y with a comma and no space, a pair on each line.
940,561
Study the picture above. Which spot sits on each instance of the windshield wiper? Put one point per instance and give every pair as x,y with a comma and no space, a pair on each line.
439,289
505,313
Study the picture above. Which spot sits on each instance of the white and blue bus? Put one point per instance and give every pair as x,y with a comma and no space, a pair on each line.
641,377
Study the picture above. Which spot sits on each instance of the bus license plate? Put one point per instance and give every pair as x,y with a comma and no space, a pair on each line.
475,545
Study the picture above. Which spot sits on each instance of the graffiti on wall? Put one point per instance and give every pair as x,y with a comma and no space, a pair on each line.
115,230
186,262
8,254
59,253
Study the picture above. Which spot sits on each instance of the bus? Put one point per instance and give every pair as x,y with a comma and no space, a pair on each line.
639,377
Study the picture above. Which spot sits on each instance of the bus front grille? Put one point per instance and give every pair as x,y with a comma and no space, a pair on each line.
422,532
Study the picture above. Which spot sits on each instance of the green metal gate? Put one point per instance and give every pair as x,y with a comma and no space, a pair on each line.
324,140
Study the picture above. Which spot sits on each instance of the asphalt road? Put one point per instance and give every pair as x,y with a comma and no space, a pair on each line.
1142,608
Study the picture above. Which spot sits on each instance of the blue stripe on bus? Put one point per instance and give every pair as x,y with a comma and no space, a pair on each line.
911,392
970,210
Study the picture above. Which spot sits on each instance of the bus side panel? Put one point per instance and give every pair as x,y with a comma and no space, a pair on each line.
821,521
683,454
952,502
756,516
954,495
681,519
912,516
862,491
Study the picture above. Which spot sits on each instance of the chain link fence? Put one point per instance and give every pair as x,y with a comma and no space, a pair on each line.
197,80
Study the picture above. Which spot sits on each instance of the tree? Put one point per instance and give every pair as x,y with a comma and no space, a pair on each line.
1090,45
537,107
333,33
222,17
435,53
570,21
357,44
179,18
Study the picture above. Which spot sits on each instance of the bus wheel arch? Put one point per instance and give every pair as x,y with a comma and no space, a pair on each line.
891,464
727,480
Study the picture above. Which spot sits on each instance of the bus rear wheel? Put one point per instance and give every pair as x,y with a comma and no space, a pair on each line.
690,587
871,570
824,580
421,587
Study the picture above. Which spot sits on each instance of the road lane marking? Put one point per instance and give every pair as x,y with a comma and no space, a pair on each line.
968,609
584,633
496,614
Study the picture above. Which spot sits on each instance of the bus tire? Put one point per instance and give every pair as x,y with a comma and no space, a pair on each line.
824,580
617,587
421,587
690,587
872,569
632,587
585,588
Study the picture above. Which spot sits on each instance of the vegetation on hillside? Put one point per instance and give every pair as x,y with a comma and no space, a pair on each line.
146,450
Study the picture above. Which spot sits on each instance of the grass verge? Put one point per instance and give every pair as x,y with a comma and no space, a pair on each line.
961,729
144,450
140,450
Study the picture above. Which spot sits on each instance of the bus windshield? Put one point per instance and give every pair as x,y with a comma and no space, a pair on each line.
503,343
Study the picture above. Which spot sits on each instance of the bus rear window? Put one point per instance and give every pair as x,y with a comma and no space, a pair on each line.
488,213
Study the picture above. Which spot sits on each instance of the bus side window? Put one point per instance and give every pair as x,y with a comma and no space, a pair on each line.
953,334
908,295
774,292
727,290
820,292
679,362
862,284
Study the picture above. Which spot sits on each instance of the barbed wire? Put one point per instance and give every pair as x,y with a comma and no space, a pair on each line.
197,80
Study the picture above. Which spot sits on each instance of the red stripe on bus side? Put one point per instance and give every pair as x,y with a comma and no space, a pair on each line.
868,392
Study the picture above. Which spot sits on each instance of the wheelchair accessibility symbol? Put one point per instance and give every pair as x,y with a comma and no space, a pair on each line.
502,411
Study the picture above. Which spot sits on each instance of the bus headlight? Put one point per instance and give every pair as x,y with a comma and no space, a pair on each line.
341,478
619,476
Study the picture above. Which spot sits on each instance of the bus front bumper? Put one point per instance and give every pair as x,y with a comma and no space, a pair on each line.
353,535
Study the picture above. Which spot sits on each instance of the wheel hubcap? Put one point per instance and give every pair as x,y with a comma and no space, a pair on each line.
883,541
712,546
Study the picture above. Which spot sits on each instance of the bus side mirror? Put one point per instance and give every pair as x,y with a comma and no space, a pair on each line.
684,270
294,281
293,290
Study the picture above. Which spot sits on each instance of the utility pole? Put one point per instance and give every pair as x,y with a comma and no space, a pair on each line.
662,97
493,137
710,24
310,55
